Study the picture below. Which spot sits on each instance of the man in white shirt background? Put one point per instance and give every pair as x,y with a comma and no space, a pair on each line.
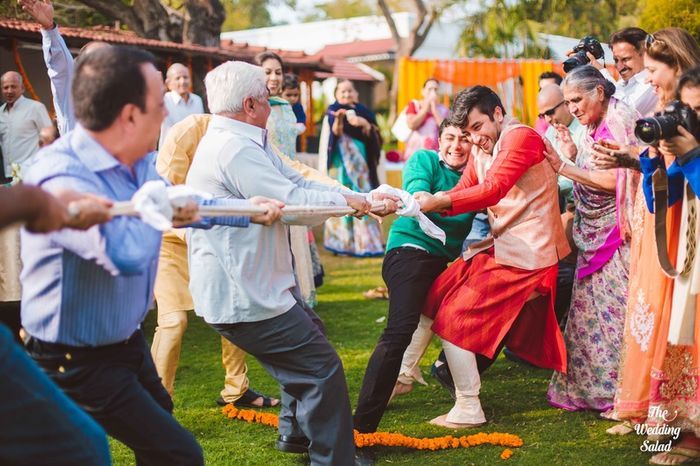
627,46
21,121
179,101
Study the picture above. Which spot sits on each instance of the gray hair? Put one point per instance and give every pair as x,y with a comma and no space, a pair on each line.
230,83
587,79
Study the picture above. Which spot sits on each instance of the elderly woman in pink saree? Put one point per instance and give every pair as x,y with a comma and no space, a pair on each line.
603,199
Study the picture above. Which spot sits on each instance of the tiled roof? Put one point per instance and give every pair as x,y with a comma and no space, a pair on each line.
358,48
345,69
116,36
227,51
289,56
326,66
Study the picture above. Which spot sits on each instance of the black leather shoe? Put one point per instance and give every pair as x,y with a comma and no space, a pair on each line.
289,444
443,375
365,456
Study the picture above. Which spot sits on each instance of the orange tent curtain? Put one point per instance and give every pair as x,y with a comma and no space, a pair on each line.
516,81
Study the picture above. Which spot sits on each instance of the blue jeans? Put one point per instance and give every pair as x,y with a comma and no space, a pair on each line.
480,230
40,425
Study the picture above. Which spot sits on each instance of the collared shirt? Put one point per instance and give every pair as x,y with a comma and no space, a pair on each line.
578,134
636,92
178,109
19,130
59,64
95,287
245,275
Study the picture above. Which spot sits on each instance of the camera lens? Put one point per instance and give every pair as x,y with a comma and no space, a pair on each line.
647,130
576,60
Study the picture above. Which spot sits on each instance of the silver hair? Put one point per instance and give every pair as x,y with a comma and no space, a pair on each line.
230,83
587,79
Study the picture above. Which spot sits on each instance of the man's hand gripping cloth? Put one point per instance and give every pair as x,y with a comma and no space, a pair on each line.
411,208
154,202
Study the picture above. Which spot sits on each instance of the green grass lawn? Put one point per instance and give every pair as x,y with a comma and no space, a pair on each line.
513,396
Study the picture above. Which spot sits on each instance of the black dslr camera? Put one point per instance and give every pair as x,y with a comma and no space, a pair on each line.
579,58
664,125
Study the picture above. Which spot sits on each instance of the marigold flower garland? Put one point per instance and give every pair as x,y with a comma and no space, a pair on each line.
392,439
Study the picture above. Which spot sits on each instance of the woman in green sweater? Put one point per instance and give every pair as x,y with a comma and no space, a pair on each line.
413,260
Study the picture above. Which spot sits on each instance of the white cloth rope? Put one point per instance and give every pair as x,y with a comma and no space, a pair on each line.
154,202
411,208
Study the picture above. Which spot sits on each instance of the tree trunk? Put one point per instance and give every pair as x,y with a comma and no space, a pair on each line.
198,22
406,48
203,20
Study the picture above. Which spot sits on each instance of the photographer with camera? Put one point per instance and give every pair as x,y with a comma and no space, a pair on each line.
686,140
627,46
652,365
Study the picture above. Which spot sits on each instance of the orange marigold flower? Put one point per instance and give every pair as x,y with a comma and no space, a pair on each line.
393,439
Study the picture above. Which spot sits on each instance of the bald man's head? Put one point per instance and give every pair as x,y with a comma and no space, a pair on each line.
178,79
92,46
550,104
12,87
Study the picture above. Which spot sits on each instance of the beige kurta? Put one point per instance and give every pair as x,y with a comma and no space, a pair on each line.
10,264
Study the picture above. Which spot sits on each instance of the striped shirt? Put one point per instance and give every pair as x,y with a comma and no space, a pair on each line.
95,287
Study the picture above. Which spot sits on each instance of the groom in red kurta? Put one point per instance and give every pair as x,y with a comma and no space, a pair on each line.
503,289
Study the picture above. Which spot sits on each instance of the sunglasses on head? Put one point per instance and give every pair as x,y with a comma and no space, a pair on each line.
650,40
551,111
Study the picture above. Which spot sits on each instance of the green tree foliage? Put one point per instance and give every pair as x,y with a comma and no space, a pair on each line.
246,14
347,9
67,12
509,28
501,30
657,14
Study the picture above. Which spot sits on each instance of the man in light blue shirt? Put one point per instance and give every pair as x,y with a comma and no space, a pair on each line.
34,411
85,294
242,280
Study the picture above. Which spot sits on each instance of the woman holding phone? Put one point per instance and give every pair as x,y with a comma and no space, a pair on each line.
353,154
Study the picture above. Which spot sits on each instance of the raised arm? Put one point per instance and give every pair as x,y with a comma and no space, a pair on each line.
58,59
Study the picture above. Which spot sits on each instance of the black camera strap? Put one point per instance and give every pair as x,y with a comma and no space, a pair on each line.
660,183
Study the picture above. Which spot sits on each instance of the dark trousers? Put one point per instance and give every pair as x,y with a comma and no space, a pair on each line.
565,284
409,274
39,424
315,401
10,316
119,387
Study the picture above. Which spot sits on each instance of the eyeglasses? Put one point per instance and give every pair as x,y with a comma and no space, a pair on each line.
551,111
650,40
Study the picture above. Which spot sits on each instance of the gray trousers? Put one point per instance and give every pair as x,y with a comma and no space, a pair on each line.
315,401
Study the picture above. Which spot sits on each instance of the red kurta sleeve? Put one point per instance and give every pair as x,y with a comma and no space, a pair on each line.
521,149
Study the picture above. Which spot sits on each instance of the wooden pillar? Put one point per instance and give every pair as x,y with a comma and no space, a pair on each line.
307,76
